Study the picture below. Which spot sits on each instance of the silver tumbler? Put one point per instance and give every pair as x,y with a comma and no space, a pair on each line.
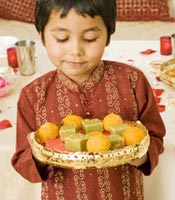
25,50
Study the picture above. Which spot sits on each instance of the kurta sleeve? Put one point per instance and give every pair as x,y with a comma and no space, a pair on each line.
23,161
150,117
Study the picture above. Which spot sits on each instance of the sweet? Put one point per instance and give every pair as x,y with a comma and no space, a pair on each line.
118,129
47,131
111,120
170,72
117,141
98,143
133,135
76,142
73,120
66,131
55,144
90,125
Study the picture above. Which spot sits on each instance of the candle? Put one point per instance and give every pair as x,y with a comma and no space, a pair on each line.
165,45
12,57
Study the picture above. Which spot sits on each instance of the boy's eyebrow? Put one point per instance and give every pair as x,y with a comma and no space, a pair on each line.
95,28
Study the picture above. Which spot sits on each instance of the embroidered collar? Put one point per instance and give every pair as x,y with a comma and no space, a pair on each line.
87,84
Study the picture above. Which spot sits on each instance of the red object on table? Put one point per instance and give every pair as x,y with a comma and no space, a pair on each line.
148,51
157,99
5,124
161,108
12,57
158,78
157,94
165,45
157,91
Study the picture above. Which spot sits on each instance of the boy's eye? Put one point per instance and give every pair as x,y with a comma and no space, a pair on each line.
66,39
61,39
90,40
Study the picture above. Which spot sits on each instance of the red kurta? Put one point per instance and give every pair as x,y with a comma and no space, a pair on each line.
113,87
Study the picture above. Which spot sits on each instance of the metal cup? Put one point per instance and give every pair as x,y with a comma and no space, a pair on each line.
25,50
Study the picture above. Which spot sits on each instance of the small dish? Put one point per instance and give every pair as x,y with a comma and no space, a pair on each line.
156,64
7,79
167,73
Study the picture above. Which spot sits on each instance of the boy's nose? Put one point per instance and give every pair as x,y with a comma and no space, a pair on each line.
77,48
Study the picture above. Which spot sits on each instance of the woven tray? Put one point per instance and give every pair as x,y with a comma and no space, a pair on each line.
84,160
166,67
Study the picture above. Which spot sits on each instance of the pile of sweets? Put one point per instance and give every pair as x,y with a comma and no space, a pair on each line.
74,134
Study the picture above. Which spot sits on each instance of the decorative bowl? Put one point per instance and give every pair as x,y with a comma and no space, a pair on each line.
167,73
7,79
84,160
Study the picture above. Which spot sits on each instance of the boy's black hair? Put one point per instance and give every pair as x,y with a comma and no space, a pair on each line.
104,8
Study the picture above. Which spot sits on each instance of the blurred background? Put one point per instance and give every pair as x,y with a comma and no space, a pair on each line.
136,19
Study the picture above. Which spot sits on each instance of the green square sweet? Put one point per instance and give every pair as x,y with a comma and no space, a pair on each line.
76,142
117,141
90,125
118,129
66,131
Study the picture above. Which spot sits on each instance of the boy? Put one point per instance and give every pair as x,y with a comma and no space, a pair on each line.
75,33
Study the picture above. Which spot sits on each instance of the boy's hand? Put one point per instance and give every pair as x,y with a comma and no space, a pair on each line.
30,137
139,161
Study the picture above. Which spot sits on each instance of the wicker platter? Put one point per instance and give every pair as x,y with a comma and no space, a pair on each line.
84,160
167,73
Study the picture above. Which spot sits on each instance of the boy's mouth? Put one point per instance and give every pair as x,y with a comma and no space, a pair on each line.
75,63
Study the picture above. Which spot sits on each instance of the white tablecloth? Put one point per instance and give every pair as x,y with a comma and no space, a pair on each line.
158,186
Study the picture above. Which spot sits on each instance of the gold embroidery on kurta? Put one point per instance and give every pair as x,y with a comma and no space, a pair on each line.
133,78
139,185
45,191
112,91
62,99
41,119
125,182
80,185
58,178
40,109
104,184
95,77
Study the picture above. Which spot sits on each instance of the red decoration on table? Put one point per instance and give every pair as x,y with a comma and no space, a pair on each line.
158,91
12,57
5,124
130,61
165,45
161,108
148,51
157,99
157,95
158,78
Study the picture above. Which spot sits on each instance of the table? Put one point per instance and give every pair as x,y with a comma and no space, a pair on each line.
158,186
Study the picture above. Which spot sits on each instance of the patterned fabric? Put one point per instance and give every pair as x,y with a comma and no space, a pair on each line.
20,10
112,87
133,10
127,10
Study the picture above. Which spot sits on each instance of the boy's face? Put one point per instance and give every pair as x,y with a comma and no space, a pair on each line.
75,44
